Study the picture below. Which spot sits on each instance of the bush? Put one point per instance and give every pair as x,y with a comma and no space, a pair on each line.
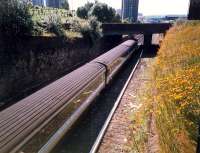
15,19
117,19
95,25
54,25
103,12
65,4
91,29
88,28
82,12
75,24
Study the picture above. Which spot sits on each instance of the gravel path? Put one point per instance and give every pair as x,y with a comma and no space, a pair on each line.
118,133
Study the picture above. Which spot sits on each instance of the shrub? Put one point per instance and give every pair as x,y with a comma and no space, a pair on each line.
65,4
88,28
95,25
85,29
91,29
54,25
82,12
75,24
15,19
117,19
102,12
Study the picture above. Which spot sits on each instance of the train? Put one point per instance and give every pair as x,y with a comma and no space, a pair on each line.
38,122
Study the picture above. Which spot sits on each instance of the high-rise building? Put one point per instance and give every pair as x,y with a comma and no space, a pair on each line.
130,10
39,2
194,11
48,3
54,3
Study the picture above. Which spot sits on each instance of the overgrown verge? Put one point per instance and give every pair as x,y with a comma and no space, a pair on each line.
171,99
142,117
19,18
176,100
139,131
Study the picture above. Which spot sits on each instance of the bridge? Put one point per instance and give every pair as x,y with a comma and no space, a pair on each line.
147,29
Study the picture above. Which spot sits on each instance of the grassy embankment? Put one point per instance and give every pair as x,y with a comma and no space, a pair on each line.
60,22
54,16
174,93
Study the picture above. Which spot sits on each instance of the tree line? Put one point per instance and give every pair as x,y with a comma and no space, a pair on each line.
101,11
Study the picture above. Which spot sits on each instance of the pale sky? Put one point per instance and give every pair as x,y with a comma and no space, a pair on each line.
147,7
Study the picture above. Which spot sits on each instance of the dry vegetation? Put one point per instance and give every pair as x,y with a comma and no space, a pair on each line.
177,86
174,94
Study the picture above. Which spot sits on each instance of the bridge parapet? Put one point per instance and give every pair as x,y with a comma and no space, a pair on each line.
143,28
147,29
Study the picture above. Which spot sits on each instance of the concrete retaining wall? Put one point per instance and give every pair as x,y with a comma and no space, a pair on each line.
29,64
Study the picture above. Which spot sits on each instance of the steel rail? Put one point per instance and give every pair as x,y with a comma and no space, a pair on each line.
97,143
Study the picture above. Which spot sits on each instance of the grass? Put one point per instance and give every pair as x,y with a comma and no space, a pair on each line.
177,89
141,115
172,96
139,129
59,22
41,16
39,13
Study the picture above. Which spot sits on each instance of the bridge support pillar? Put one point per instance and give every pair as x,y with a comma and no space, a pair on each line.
147,41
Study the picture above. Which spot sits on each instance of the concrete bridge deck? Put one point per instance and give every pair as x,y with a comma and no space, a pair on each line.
143,28
147,29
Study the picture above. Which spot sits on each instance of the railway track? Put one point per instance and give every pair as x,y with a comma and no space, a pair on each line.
98,141
87,134
38,122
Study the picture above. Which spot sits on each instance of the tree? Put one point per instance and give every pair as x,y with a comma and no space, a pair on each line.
82,12
15,19
117,18
103,12
65,4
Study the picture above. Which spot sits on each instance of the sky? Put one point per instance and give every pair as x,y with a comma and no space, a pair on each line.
146,7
